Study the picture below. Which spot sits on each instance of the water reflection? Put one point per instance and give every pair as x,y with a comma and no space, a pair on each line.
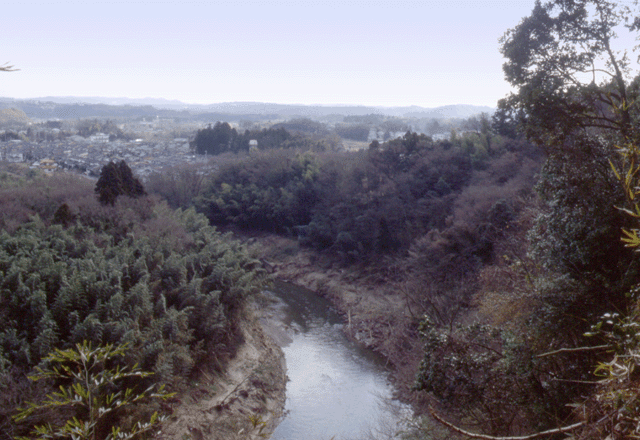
336,389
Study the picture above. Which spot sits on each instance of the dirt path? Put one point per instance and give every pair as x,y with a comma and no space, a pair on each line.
246,402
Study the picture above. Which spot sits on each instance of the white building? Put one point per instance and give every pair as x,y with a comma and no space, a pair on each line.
99,138
15,157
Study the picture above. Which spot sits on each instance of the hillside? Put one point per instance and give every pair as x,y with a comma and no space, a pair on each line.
88,107
12,116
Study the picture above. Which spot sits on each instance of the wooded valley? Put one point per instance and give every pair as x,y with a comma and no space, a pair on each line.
507,255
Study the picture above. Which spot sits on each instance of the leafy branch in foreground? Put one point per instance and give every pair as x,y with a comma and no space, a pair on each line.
613,411
629,177
92,392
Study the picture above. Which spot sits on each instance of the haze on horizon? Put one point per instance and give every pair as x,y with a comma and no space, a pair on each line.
353,52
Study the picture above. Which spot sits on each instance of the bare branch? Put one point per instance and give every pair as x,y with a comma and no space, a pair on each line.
454,428
6,68
573,350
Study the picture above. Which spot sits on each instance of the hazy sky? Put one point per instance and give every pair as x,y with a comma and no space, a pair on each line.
390,53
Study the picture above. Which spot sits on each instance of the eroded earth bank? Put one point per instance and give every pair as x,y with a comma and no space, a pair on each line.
247,401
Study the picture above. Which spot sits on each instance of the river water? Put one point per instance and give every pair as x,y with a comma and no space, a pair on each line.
336,389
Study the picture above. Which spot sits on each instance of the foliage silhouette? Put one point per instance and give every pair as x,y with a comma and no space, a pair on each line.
116,179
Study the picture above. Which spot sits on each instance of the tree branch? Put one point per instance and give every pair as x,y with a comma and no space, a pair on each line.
6,68
491,437
572,350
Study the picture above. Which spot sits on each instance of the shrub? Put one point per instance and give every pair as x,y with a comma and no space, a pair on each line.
94,391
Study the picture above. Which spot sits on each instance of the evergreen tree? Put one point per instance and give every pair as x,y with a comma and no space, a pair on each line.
117,179
215,140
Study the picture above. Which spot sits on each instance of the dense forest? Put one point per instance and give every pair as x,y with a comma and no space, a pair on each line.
116,262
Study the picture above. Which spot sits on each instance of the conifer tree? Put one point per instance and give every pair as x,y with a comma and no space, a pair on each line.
117,179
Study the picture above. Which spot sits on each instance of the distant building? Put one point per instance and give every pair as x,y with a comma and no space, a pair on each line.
77,138
15,157
440,136
48,165
99,138
253,145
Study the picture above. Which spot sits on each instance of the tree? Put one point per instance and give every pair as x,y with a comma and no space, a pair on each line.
88,127
116,179
357,132
576,96
567,73
215,140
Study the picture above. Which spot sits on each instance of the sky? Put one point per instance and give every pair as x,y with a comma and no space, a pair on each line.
382,53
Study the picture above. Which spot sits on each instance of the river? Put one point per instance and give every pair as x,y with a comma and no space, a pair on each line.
337,389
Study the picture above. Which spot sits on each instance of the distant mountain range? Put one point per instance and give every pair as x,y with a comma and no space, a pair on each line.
81,107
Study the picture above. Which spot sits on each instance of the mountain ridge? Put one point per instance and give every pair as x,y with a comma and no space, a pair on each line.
254,108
